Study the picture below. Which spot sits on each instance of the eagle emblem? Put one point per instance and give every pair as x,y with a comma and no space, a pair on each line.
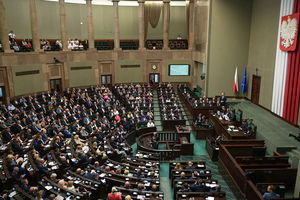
289,32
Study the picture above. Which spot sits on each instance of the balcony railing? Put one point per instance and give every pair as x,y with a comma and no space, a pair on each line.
18,45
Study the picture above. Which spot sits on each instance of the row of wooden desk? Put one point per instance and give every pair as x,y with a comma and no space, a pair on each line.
220,126
243,157
196,110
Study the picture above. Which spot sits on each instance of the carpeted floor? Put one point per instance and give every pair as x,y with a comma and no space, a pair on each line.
272,129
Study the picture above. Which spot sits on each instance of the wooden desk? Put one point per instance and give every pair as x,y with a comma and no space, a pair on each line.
187,148
202,133
221,127
183,131
169,125
200,195
196,110
212,149
235,134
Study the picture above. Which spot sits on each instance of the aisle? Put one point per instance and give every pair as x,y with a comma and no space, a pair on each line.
165,183
157,118
200,154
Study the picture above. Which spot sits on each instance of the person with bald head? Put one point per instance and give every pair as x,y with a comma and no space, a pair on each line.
127,185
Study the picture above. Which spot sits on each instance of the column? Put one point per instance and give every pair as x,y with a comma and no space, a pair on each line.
63,25
166,24
141,24
116,25
34,27
90,25
191,24
3,28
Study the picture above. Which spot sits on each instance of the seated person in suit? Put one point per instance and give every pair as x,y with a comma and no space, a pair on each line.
198,186
185,188
25,186
190,165
231,115
270,194
244,126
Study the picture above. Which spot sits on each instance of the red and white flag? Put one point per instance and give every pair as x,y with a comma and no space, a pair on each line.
235,86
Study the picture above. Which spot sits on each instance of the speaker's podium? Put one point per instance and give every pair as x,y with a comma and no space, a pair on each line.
186,147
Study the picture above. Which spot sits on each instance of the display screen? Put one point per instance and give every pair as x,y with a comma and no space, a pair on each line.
179,70
1,92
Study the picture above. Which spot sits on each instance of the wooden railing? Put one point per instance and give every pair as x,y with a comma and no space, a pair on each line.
233,169
167,136
132,136
245,180
166,154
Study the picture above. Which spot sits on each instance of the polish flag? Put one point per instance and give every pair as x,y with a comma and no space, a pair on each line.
235,86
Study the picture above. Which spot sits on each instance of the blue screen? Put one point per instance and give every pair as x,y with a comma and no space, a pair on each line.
179,70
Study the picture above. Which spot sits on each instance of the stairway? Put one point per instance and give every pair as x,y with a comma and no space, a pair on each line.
157,118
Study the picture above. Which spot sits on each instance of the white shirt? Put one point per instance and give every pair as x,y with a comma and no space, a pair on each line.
11,107
150,124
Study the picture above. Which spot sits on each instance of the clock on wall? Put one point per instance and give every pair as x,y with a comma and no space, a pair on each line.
154,67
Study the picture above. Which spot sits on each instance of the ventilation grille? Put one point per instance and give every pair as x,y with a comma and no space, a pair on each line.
27,72
81,68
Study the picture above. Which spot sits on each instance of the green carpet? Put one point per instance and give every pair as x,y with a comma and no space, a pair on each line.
162,146
199,146
164,169
165,186
270,128
134,148
165,183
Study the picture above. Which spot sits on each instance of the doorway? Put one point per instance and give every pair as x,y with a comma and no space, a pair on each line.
154,78
106,80
56,85
2,94
255,89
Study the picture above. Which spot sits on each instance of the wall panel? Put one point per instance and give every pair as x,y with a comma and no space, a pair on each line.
30,83
262,47
228,43
81,76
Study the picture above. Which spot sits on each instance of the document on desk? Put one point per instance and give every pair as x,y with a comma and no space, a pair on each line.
12,194
48,187
140,196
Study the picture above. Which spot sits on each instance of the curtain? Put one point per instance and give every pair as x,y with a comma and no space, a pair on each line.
152,14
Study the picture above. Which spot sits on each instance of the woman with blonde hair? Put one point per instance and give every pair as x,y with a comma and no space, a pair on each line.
114,195
128,197
178,167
